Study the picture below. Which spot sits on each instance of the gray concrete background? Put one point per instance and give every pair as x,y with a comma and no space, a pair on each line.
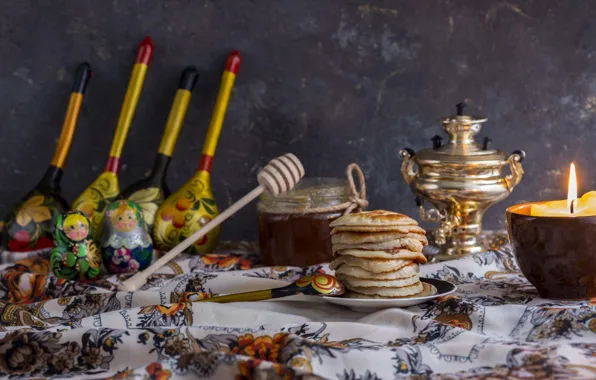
333,81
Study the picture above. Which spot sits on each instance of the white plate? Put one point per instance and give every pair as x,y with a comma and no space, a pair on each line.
371,304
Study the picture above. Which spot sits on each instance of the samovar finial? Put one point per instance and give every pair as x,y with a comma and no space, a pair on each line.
460,108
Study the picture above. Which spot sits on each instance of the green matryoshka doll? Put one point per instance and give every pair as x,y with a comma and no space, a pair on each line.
76,255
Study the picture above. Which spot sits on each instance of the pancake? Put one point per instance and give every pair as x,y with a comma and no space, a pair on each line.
401,229
401,243
364,283
402,291
370,265
374,218
405,272
377,237
402,254
428,290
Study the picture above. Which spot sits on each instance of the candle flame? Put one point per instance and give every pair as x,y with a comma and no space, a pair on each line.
572,188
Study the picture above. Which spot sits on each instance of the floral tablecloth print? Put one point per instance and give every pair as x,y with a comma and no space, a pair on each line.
494,327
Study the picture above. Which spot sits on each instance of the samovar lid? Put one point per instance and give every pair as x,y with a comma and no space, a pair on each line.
461,145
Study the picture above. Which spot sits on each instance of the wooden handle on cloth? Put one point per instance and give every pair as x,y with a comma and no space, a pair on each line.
279,176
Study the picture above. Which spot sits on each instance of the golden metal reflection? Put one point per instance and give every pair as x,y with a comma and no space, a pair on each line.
461,179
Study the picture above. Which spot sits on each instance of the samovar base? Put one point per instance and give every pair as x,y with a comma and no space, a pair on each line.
458,247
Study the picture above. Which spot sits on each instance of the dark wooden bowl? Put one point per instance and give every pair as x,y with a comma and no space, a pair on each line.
556,254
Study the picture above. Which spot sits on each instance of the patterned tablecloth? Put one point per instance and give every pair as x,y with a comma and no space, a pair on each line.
494,327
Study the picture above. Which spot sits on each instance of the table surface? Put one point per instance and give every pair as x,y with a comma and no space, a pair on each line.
495,326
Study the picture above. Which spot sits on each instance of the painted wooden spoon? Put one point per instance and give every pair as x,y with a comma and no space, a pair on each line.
311,285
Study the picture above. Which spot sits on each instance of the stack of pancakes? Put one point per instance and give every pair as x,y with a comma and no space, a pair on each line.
376,255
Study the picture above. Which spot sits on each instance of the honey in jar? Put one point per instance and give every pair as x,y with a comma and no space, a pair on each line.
292,229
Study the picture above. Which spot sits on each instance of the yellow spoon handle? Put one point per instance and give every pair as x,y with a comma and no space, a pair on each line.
219,111
133,92
72,115
178,111
258,295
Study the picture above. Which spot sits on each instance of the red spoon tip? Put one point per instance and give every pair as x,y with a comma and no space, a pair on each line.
233,62
145,51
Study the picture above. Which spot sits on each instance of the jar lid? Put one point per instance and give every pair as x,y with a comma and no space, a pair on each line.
309,193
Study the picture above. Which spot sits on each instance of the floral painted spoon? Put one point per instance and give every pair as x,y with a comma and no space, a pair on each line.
319,284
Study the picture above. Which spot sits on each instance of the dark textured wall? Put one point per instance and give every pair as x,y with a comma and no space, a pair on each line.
332,81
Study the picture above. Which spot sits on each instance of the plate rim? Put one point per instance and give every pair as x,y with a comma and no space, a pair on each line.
384,300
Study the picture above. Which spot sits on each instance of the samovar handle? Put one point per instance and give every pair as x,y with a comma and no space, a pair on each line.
515,166
407,165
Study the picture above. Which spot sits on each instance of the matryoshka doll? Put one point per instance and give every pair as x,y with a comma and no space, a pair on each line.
76,255
126,243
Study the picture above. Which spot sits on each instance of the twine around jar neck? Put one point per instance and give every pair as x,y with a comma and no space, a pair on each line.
357,200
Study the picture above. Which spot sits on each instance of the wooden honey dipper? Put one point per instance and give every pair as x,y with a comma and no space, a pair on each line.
279,176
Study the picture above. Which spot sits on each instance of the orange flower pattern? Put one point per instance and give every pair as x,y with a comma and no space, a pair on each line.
66,328
25,287
250,368
38,264
261,347
154,371
165,315
227,262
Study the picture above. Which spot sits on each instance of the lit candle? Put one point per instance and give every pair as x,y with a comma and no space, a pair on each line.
571,188
572,207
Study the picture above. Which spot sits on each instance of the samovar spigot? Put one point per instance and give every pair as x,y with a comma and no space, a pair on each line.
447,221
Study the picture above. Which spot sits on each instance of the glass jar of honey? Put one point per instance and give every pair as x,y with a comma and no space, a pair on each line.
292,230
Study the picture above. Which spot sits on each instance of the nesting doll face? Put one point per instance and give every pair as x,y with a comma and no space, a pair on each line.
126,243
76,227
124,217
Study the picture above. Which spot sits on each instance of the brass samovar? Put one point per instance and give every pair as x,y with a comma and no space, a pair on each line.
461,179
